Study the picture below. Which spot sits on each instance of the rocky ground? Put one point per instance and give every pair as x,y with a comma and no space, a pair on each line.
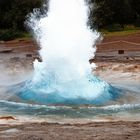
118,72
120,130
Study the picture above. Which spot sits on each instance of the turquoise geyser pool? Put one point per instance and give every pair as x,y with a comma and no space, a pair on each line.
122,106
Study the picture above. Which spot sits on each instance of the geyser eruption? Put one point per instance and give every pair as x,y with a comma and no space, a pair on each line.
65,75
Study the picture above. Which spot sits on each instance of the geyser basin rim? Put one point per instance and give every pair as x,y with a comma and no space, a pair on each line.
66,111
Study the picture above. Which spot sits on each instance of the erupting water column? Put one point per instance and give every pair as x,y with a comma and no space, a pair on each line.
65,75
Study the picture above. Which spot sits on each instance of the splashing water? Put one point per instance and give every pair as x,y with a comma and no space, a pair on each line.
65,75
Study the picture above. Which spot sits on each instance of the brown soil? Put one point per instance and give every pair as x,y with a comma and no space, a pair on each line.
91,131
127,43
131,38
7,118
20,45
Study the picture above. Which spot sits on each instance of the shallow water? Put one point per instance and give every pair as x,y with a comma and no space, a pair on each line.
125,106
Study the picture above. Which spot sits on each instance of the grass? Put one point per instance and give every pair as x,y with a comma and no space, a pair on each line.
25,36
120,33
11,34
128,30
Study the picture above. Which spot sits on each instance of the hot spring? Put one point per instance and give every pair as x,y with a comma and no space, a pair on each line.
67,43
64,83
